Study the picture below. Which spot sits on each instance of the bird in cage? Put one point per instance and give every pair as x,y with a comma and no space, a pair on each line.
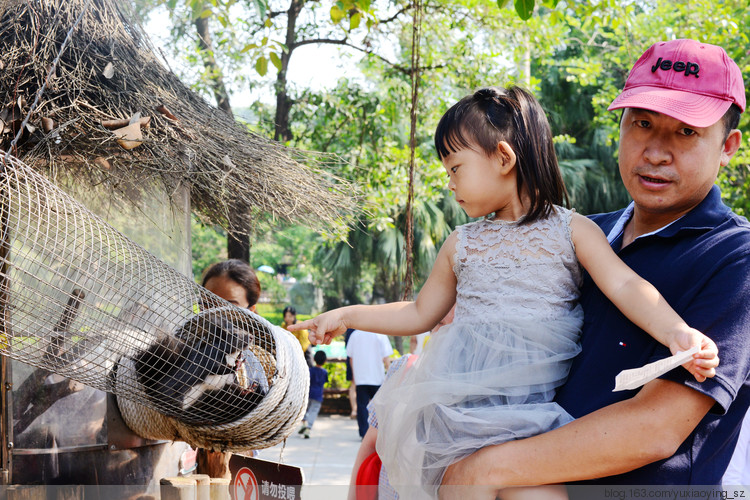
207,372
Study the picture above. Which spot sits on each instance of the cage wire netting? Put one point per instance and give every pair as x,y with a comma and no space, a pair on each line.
79,299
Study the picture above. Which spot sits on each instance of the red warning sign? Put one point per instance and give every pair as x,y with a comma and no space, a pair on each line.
245,485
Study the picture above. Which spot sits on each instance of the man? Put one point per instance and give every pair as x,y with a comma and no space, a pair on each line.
370,357
681,106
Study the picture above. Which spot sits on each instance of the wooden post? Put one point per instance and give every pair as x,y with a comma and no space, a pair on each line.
6,403
68,492
5,418
203,483
220,488
26,493
178,488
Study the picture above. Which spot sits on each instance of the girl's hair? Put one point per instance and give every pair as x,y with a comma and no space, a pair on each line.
239,272
513,115
289,309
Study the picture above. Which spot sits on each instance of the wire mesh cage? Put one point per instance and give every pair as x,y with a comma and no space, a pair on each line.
79,299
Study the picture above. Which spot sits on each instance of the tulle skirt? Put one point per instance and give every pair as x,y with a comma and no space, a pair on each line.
475,384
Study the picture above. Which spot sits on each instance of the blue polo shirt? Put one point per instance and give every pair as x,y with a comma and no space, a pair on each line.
701,265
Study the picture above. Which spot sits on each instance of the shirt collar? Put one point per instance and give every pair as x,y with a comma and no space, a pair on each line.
704,216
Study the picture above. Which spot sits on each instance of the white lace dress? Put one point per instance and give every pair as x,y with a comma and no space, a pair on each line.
491,375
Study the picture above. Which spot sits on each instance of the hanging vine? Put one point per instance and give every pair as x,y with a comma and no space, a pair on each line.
416,36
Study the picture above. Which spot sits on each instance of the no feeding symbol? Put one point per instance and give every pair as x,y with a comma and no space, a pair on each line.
245,485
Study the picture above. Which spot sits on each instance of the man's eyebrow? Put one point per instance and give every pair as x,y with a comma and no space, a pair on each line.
647,111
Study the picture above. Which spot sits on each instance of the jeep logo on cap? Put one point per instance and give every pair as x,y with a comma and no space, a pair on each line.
679,66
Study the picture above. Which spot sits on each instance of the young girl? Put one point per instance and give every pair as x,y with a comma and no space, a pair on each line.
514,276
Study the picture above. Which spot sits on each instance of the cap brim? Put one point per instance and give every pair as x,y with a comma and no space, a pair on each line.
692,109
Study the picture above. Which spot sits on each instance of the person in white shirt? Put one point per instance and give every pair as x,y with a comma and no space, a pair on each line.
370,357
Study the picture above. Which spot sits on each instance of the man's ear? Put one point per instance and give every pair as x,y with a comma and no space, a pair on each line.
507,157
730,147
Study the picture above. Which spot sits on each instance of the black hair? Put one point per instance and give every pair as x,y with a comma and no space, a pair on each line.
239,272
731,119
320,357
513,115
289,309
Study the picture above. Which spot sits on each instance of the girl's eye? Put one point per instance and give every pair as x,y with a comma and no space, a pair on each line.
643,123
453,169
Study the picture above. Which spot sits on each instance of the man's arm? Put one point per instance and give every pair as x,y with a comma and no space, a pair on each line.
613,440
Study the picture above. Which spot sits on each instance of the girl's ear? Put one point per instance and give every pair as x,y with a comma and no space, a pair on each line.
507,157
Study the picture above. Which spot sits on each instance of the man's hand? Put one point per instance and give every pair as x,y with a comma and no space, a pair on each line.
463,479
322,328
463,474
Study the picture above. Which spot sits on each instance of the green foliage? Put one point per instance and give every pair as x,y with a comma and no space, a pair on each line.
574,56
525,8
271,312
272,288
209,245
336,376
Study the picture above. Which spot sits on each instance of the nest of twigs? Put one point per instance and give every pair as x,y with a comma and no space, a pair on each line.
113,115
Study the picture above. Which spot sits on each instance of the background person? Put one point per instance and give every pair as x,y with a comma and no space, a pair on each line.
290,318
318,378
352,391
234,281
370,357
682,103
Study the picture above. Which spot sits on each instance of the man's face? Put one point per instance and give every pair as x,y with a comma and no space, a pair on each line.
667,166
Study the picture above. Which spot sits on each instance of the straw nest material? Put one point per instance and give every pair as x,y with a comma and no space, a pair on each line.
112,115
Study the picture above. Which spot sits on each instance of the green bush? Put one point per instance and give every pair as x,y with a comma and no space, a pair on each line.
336,375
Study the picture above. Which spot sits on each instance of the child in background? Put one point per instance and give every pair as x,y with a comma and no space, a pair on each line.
290,318
318,378
514,277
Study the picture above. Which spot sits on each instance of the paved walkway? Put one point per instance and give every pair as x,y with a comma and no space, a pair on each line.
326,458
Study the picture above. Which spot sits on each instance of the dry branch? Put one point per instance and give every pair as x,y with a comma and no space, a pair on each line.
108,74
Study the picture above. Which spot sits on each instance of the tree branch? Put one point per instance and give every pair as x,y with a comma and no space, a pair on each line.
396,15
344,42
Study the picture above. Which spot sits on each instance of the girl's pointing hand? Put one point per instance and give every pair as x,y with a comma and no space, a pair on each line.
322,328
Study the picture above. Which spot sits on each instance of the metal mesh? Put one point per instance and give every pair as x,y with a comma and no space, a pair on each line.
81,300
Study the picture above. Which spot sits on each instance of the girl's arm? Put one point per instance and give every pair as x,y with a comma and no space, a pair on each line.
637,299
397,318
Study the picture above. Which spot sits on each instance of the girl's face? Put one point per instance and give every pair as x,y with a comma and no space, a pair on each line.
483,184
229,290
290,318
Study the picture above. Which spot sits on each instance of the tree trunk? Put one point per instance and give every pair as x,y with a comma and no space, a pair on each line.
238,245
281,131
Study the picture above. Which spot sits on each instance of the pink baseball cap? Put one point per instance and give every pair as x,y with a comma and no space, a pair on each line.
690,81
